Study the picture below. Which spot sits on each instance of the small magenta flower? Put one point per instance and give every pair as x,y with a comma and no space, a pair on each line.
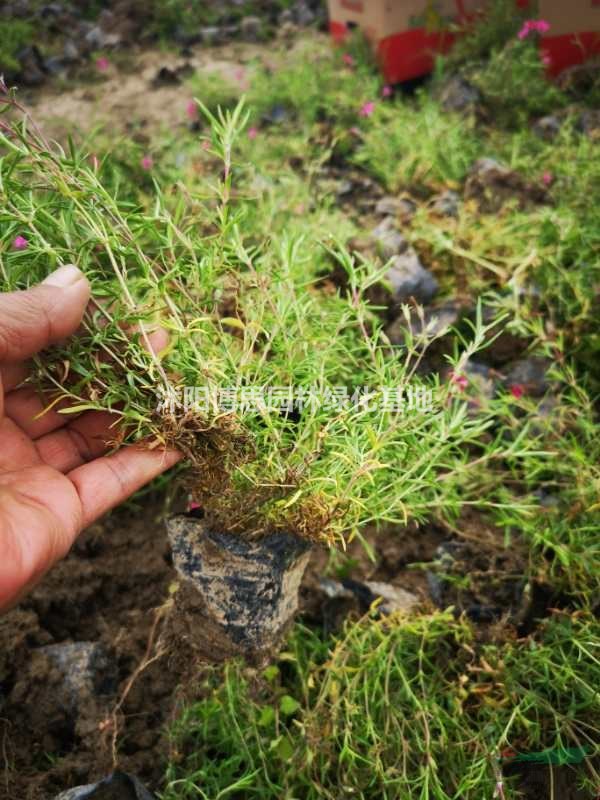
191,110
367,109
147,162
252,132
547,178
348,60
533,25
20,243
517,390
459,380
102,64
387,91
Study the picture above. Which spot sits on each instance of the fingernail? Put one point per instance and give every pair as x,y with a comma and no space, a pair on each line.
63,277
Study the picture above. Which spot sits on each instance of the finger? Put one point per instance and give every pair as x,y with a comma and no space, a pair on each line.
33,319
81,441
40,516
31,411
108,481
12,375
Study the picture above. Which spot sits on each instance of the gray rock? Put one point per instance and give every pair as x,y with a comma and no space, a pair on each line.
408,279
55,65
303,15
492,184
70,51
390,206
87,672
446,205
547,127
117,786
98,39
394,598
388,239
432,323
459,95
251,29
33,70
589,123
210,34
530,374
237,596
286,17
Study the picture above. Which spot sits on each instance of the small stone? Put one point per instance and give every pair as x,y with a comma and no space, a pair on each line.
117,786
446,205
388,239
400,207
86,669
251,29
589,123
33,70
286,17
394,598
458,94
276,115
547,127
409,279
530,373
166,76
210,35
492,184
70,51
303,15
55,65
433,322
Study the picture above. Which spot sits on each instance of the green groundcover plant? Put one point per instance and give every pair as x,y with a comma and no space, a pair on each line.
394,708
242,315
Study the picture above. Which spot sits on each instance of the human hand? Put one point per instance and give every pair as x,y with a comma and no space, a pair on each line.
55,478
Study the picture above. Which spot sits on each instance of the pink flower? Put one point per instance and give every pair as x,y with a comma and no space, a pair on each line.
20,243
348,60
530,25
547,178
252,133
517,390
354,131
147,162
546,59
102,64
191,110
387,91
367,109
459,380
193,506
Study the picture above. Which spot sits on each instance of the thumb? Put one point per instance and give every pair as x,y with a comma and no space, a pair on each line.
35,318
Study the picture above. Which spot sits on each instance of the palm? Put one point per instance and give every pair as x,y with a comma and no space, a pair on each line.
55,476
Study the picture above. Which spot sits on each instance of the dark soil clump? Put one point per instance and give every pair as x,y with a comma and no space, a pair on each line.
65,727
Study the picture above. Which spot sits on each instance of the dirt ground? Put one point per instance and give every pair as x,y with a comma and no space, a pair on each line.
129,94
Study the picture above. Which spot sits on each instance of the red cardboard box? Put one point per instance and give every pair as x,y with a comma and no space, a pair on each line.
407,34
